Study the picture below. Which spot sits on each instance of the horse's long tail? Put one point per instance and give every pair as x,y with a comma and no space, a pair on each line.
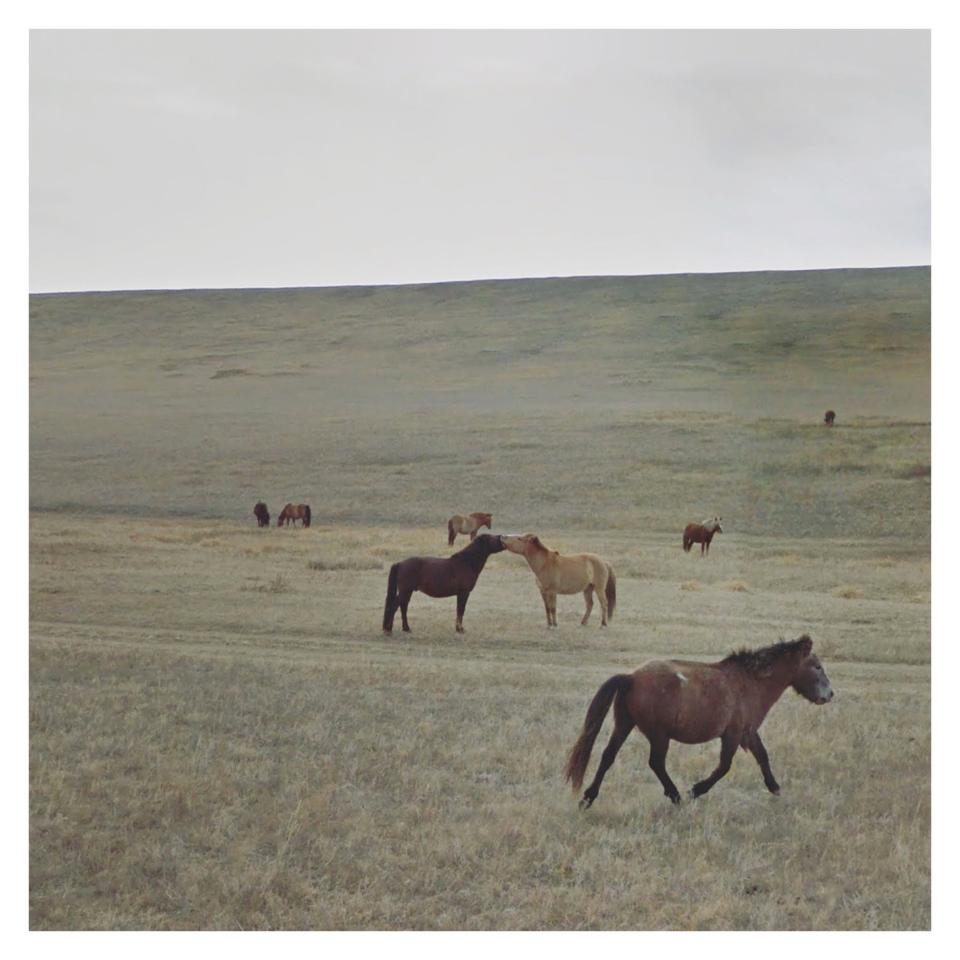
580,754
451,533
306,514
392,601
687,542
611,592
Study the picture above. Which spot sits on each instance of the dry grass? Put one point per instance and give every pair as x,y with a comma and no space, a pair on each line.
222,737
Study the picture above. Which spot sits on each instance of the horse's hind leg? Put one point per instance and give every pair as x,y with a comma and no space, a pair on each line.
728,748
621,730
404,602
658,764
756,747
588,596
602,597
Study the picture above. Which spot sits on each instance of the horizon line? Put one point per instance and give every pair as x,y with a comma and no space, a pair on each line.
435,283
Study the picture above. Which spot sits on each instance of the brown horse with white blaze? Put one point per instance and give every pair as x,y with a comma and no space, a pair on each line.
452,576
701,533
584,573
696,702
471,524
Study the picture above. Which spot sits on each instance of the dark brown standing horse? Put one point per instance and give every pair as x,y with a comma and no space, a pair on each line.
262,514
291,514
696,702
438,577
829,417
701,533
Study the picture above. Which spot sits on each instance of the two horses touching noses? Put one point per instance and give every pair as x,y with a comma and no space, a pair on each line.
695,702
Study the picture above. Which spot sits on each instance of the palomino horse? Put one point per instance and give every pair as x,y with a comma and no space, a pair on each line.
437,577
701,533
262,514
576,573
471,524
291,514
696,702
829,417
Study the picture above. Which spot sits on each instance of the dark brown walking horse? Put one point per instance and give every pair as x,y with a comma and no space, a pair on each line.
437,577
290,514
696,702
829,417
262,514
701,533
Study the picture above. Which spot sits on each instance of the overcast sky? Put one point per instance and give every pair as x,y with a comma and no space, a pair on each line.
168,159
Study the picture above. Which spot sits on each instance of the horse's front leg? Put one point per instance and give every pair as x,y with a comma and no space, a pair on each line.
473,535
728,749
546,604
756,747
461,606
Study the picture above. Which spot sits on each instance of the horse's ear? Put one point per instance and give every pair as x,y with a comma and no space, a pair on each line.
806,645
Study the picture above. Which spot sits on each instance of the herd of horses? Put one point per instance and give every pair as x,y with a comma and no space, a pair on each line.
683,700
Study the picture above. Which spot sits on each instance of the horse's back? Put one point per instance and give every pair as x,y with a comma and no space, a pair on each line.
689,701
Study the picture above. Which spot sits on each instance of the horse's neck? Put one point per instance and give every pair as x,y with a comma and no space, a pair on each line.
474,559
537,558
763,692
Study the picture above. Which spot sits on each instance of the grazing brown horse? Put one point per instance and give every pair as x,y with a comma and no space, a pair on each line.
575,573
696,702
262,514
291,514
829,417
470,524
437,577
701,533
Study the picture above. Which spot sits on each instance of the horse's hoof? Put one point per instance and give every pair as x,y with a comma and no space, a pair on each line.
585,803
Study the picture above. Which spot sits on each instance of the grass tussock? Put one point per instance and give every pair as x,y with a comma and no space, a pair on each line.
847,592
691,585
734,586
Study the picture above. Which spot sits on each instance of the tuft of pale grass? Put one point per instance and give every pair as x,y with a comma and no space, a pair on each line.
691,585
734,586
846,592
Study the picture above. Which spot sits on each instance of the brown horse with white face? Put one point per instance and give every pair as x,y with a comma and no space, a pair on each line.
695,702
584,573
701,533
452,576
471,524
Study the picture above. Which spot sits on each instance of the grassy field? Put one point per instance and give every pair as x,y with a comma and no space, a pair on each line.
222,737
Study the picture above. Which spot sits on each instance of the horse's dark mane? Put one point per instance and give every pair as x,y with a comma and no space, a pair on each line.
476,552
763,660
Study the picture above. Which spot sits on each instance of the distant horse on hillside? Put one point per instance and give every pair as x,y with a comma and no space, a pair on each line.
695,702
574,573
437,577
701,533
471,524
262,514
291,514
829,417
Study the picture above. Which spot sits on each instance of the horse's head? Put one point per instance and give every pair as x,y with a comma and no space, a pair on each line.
811,680
489,543
486,520
521,543
714,525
